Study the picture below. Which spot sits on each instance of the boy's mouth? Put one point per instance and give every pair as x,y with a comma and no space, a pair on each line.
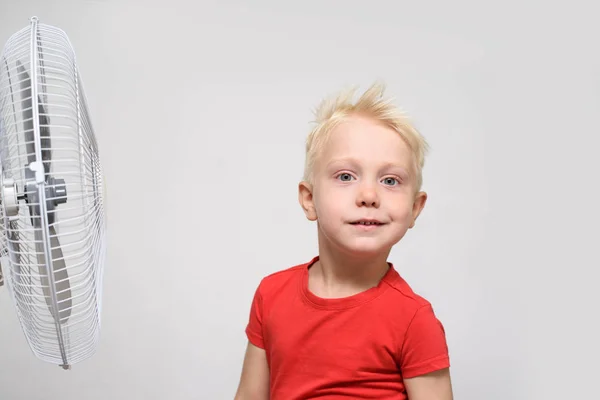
367,222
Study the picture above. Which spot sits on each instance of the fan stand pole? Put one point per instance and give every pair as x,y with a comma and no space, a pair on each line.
38,168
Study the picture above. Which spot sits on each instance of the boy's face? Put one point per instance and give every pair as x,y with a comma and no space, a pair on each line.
363,191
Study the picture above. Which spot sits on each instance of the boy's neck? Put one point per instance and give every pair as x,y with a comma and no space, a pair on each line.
337,275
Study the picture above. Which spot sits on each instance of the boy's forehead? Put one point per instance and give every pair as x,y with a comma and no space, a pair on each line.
359,139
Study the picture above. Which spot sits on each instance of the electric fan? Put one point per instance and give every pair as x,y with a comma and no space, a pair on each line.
52,227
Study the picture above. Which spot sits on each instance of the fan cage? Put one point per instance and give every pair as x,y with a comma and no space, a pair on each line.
79,224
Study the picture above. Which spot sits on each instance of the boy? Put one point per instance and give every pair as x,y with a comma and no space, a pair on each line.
345,325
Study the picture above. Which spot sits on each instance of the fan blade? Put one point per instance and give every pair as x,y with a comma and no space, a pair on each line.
26,98
14,248
61,276
26,104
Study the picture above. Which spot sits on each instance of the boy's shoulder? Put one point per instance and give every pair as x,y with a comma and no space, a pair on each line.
403,291
279,279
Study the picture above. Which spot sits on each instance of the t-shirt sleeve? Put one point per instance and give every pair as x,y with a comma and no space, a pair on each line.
424,348
254,330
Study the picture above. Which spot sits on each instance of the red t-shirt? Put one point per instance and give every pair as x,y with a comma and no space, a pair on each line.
359,347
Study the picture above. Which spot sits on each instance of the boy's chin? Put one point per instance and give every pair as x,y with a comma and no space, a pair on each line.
364,250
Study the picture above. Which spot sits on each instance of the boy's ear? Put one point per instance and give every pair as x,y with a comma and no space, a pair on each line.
419,203
305,198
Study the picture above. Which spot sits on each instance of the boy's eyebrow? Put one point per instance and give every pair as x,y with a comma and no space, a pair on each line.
341,161
403,171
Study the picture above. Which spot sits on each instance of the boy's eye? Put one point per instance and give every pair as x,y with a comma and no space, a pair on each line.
390,181
345,177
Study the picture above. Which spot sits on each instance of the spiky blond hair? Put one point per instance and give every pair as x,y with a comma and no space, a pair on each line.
372,104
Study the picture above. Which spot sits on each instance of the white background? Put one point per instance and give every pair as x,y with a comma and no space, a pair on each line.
201,110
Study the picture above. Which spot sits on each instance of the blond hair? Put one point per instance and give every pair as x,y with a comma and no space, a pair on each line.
371,104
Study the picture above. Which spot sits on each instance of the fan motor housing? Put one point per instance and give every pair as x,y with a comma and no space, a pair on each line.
10,200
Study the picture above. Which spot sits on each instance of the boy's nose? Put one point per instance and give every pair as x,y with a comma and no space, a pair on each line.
367,198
